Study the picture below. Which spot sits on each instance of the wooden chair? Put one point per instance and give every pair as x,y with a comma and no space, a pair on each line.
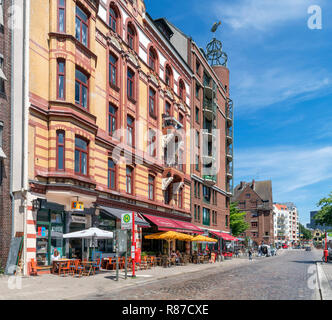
144,263
34,268
64,268
96,266
110,264
148,262
153,261
76,267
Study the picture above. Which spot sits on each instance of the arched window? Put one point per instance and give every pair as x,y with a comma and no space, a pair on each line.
113,19
169,76
131,35
182,90
153,59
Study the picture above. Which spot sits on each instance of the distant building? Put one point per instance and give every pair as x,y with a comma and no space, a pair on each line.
255,198
281,224
313,225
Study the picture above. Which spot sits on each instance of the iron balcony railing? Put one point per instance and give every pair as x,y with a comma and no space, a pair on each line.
169,121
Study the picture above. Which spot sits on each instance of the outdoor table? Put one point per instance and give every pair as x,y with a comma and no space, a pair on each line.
87,267
56,264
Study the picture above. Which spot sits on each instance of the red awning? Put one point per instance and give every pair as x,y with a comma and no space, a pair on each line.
166,224
225,236
188,227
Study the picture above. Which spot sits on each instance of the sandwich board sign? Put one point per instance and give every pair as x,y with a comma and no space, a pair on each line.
126,221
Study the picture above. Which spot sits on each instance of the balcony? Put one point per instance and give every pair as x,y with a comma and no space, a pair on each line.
229,112
229,171
169,122
229,135
210,179
229,153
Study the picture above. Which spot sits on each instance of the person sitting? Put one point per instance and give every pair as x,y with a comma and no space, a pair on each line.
56,255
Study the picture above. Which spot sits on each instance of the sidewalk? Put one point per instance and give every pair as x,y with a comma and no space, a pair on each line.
52,287
324,271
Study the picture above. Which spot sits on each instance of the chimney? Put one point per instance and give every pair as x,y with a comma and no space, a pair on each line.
253,183
242,184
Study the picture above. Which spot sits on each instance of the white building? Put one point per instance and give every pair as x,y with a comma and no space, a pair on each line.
286,223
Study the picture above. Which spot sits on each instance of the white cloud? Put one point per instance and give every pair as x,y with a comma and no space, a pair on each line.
275,85
290,168
263,14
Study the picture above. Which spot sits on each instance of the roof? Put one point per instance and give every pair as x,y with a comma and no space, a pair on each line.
262,188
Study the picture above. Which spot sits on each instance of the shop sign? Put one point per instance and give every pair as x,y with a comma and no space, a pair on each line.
77,206
126,221
77,219
42,232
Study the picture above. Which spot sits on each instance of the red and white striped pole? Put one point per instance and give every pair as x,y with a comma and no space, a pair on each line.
133,247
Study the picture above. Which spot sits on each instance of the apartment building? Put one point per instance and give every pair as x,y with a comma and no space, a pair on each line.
211,134
281,224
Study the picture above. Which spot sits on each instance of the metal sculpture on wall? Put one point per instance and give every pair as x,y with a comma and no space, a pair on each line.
214,52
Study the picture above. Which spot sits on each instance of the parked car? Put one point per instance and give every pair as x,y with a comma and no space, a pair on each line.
308,249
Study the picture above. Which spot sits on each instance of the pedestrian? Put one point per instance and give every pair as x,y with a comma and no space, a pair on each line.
250,254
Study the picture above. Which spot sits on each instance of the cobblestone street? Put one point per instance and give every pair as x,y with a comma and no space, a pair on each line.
283,277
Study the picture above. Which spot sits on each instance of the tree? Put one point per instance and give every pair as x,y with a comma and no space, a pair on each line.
236,219
306,233
324,215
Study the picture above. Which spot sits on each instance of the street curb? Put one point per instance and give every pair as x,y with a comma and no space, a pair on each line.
324,286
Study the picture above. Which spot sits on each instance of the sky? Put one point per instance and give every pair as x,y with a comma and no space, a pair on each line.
281,85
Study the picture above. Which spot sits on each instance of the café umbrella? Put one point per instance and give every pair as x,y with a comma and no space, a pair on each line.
91,233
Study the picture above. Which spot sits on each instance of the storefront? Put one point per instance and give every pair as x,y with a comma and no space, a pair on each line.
49,232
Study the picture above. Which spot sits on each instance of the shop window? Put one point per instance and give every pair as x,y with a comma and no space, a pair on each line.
61,15
113,70
81,89
81,156
60,148
111,179
112,119
81,26
151,185
61,76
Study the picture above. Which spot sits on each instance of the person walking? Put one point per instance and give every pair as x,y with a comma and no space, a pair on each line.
250,254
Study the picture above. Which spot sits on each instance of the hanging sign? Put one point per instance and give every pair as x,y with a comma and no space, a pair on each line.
126,221
77,206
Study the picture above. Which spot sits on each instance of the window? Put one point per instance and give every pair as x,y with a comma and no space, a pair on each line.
81,89
180,198
153,59
2,80
61,76
182,90
197,162
130,131
131,37
254,224
226,221
112,114
152,103
113,19
181,160
198,65
130,84
197,91
168,108
197,139
111,178
113,70
242,204
198,190
61,16
206,194
151,187
197,114
195,212
152,143
60,150
198,213
168,76
81,26
206,216
247,195
167,196
129,180
195,189
181,118
81,156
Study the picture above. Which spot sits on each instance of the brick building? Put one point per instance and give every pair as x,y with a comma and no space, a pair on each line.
255,198
211,134
5,132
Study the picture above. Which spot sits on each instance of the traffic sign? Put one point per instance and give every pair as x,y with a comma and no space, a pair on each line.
126,221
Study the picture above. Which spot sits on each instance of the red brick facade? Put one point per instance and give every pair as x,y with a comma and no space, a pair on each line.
5,122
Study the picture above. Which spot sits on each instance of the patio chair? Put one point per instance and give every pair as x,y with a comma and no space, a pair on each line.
153,261
34,268
149,262
96,265
76,267
144,263
64,268
165,261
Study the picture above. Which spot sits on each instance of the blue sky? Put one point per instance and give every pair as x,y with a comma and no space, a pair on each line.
281,85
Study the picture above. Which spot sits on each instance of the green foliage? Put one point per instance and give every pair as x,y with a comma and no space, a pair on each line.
2,268
324,215
306,233
237,220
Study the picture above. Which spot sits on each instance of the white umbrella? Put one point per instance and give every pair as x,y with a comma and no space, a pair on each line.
91,233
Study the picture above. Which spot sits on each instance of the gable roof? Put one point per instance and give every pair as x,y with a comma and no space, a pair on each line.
262,188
